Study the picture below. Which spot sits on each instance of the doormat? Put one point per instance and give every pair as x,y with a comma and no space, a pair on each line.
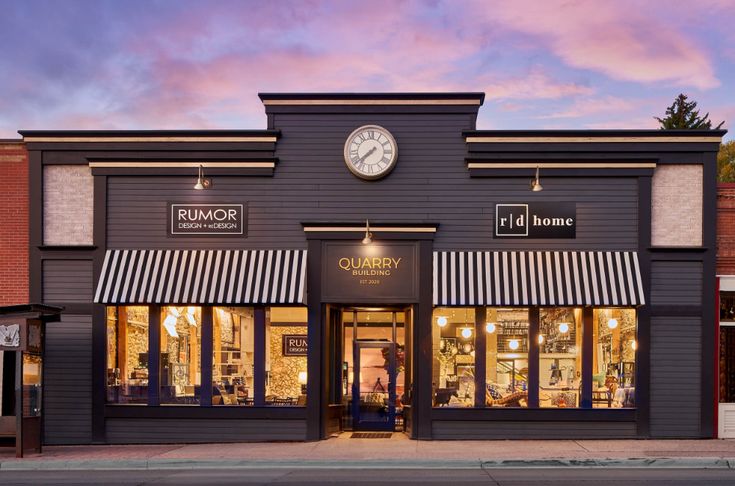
371,435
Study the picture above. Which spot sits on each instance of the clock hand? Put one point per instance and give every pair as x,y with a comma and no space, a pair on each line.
367,154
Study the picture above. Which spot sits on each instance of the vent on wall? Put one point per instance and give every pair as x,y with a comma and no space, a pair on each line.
727,421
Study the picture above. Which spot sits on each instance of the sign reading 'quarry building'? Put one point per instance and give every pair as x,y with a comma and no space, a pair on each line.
364,273
536,220
206,219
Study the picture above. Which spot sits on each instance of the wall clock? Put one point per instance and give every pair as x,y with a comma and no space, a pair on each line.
370,152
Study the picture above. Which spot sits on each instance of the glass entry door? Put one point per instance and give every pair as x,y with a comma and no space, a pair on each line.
374,385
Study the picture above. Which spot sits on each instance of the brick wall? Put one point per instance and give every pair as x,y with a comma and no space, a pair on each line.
676,212
68,200
14,218
726,229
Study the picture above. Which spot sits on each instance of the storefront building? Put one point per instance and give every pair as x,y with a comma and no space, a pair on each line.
373,262
724,366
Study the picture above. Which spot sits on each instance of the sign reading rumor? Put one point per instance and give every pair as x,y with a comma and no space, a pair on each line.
206,219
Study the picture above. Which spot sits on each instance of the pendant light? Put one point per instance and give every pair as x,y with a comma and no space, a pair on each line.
441,321
466,332
563,328
513,344
612,323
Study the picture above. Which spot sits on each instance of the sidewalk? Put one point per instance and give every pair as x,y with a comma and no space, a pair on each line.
398,452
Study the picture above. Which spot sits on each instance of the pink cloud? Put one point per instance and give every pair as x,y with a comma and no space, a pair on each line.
592,106
534,85
608,37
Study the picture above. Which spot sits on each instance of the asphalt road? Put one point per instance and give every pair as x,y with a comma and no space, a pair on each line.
402,477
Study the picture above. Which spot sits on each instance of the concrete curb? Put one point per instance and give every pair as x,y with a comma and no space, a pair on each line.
550,463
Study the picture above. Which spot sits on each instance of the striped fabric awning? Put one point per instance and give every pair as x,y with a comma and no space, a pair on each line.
507,278
228,277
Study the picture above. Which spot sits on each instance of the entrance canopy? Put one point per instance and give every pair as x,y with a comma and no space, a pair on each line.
544,278
206,277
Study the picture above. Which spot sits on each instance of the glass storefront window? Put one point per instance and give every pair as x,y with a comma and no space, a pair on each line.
453,370
181,349
506,335
614,358
232,375
560,357
127,354
285,360
32,373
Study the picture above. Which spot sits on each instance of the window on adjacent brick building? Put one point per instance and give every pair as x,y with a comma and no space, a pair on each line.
68,202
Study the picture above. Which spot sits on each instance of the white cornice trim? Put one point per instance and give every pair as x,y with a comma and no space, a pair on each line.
561,165
345,102
173,165
621,139
357,229
147,139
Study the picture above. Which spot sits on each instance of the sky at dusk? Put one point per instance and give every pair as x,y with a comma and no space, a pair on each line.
155,64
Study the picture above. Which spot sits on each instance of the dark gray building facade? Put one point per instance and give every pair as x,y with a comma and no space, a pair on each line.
375,262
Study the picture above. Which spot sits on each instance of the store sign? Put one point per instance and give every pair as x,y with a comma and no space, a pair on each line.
369,273
536,220
10,336
206,219
295,345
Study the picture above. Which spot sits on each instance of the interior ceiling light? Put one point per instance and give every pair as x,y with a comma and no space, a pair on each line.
368,235
612,323
441,321
513,344
536,182
490,327
563,328
466,333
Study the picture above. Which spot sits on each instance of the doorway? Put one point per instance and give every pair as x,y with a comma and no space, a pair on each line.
373,372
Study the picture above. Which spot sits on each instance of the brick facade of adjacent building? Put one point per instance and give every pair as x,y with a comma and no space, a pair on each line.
14,217
726,229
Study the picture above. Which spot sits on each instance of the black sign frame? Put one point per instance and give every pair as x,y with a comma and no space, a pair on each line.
290,349
242,207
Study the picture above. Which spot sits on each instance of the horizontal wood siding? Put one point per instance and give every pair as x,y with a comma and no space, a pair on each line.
67,281
676,361
429,184
67,405
153,431
676,283
444,429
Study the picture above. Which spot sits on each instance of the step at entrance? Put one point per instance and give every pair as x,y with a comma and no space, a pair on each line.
371,435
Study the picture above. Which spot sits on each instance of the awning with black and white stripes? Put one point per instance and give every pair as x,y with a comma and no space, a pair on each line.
544,278
206,277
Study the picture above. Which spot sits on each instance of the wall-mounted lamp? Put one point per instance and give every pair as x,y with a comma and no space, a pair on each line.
490,327
368,235
541,339
202,182
536,182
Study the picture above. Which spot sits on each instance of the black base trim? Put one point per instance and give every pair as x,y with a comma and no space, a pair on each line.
535,415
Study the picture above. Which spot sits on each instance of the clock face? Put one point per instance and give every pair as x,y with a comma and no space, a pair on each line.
371,152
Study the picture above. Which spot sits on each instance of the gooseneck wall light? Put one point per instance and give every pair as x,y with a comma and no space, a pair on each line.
536,181
202,182
368,235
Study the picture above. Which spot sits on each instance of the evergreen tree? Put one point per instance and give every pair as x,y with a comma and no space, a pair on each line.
726,162
683,114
